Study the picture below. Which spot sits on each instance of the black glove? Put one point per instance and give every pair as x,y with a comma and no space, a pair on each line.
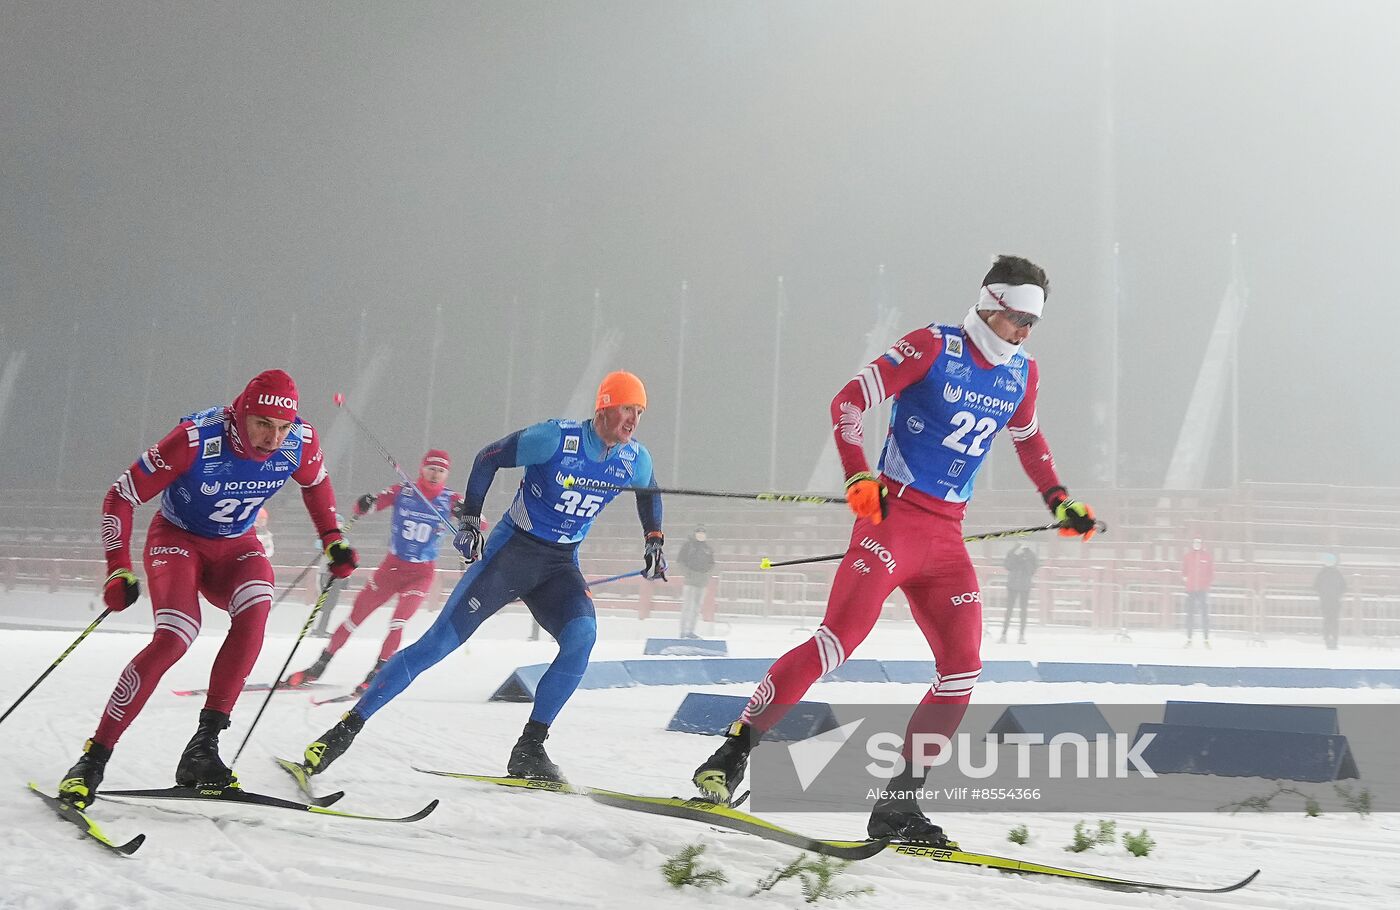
343,558
653,557
364,504
468,539
459,511
1076,518
120,590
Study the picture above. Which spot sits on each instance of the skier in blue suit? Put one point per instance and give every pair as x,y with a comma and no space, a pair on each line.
573,470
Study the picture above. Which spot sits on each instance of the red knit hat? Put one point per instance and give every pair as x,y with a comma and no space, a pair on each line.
271,393
437,458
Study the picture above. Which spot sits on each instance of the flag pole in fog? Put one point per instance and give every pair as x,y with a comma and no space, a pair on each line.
67,412
292,342
597,309
432,378
360,346
510,362
1237,278
232,347
680,376
141,439
777,351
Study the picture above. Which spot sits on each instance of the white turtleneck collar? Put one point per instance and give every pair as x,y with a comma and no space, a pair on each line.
997,351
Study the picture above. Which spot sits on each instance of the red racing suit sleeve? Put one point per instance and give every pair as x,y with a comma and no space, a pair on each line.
316,490
904,364
148,476
1031,446
384,499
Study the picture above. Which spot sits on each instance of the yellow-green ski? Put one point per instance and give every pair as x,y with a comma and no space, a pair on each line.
1006,864
75,816
693,809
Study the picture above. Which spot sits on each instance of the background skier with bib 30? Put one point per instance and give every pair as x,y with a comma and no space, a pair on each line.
408,568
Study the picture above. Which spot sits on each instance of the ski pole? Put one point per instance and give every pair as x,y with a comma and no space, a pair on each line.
277,682
766,563
403,476
320,602
291,586
612,578
816,498
45,675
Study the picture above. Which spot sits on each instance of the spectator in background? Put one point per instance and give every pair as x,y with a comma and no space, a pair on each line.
1020,564
697,561
1330,585
1198,571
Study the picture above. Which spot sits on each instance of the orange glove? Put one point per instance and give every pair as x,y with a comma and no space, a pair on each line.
866,496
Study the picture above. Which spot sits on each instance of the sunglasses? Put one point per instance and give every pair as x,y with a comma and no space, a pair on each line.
1019,318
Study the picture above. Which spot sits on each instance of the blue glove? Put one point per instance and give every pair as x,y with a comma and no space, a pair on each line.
468,539
653,557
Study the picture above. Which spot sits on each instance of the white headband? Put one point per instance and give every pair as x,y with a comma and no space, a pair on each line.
1028,298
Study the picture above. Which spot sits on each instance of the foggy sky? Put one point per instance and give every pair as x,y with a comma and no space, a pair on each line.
198,191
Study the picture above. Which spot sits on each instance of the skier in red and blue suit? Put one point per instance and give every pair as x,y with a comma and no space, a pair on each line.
955,388
415,535
213,472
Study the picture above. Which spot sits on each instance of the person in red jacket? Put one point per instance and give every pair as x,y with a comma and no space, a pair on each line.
1198,572
213,472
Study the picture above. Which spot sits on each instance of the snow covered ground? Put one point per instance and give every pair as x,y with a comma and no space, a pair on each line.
491,847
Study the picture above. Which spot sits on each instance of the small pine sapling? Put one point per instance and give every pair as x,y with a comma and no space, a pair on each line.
684,869
1139,844
817,876
1085,838
1265,803
1360,803
1019,835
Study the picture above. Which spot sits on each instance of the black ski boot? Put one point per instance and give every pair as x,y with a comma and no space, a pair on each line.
719,777
369,678
333,743
310,674
79,785
898,817
528,758
200,765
